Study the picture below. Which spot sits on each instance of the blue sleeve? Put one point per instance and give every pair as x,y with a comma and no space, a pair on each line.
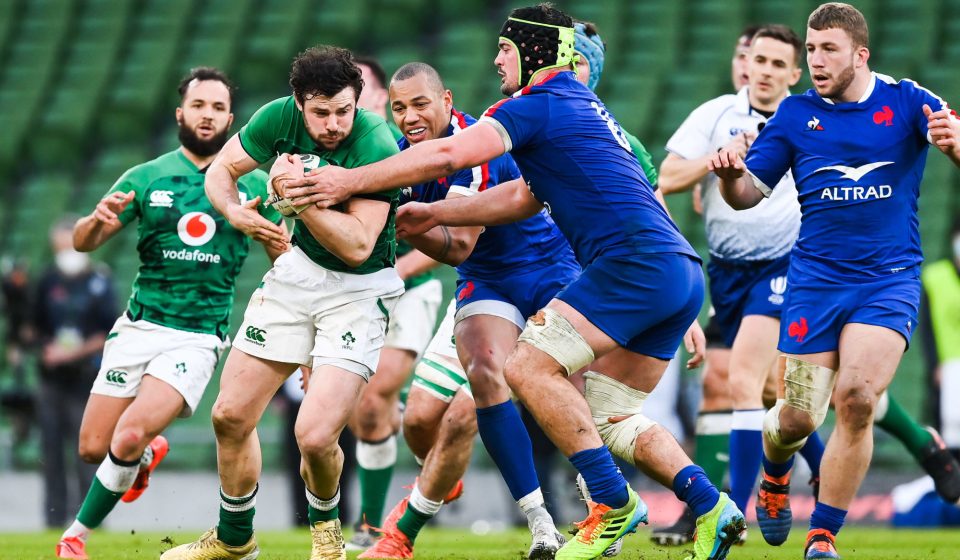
518,119
771,155
920,96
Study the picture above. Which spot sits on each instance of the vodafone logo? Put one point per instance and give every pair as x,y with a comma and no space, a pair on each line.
196,228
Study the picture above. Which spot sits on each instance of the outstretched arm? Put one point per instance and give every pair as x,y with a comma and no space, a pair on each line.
422,162
508,202
736,185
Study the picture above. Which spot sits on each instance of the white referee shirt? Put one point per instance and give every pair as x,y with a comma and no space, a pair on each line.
764,232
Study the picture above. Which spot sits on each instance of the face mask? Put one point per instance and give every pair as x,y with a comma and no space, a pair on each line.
71,262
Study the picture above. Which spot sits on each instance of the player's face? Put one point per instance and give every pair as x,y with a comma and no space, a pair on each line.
582,69
738,66
508,66
833,60
373,96
421,111
772,70
204,117
329,120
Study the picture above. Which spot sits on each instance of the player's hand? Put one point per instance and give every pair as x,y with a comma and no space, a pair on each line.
727,164
696,344
245,218
414,218
741,143
111,206
325,186
944,129
305,377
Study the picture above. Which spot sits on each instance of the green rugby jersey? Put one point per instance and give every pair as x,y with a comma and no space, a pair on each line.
278,128
190,255
644,157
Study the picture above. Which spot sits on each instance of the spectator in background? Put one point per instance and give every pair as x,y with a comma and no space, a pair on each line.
940,339
74,309
16,400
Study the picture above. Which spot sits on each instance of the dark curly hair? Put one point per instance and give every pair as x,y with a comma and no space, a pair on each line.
324,70
202,74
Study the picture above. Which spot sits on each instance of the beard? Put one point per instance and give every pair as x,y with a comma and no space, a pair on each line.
843,81
203,148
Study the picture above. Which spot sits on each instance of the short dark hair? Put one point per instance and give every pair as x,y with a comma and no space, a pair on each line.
837,15
375,68
543,12
749,31
783,34
202,74
412,69
324,70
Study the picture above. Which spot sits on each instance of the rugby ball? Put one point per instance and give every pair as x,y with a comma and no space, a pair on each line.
283,171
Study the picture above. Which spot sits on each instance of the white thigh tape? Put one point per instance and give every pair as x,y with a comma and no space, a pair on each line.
550,332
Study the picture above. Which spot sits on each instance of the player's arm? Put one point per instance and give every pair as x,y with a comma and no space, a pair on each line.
414,264
422,162
350,235
678,174
90,232
943,129
447,244
508,202
220,185
736,185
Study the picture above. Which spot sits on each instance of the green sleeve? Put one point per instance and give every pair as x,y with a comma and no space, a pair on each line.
133,179
377,144
645,159
256,182
263,129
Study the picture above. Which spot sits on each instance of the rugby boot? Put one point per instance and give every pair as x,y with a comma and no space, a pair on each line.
615,548
773,508
159,447
72,547
820,544
937,461
679,533
546,540
718,530
209,547
327,541
602,527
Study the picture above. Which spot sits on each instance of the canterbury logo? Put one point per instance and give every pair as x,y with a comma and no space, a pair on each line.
116,376
163,199
854,173
256,335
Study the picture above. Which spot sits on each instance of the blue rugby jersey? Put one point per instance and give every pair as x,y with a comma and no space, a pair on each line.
527,244
578,162
857,168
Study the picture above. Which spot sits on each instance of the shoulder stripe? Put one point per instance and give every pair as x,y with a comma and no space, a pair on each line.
481,173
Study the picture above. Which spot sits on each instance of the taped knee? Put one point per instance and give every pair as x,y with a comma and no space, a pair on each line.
609,398
550,332
808,387
771,429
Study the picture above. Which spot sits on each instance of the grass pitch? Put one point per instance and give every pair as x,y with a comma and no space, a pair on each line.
450,544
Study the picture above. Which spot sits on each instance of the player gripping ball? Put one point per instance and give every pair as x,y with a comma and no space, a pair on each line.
286,168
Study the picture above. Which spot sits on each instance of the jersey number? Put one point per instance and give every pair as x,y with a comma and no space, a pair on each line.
613,126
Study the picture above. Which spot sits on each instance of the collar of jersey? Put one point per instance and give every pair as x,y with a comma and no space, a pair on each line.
866,94
525,90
